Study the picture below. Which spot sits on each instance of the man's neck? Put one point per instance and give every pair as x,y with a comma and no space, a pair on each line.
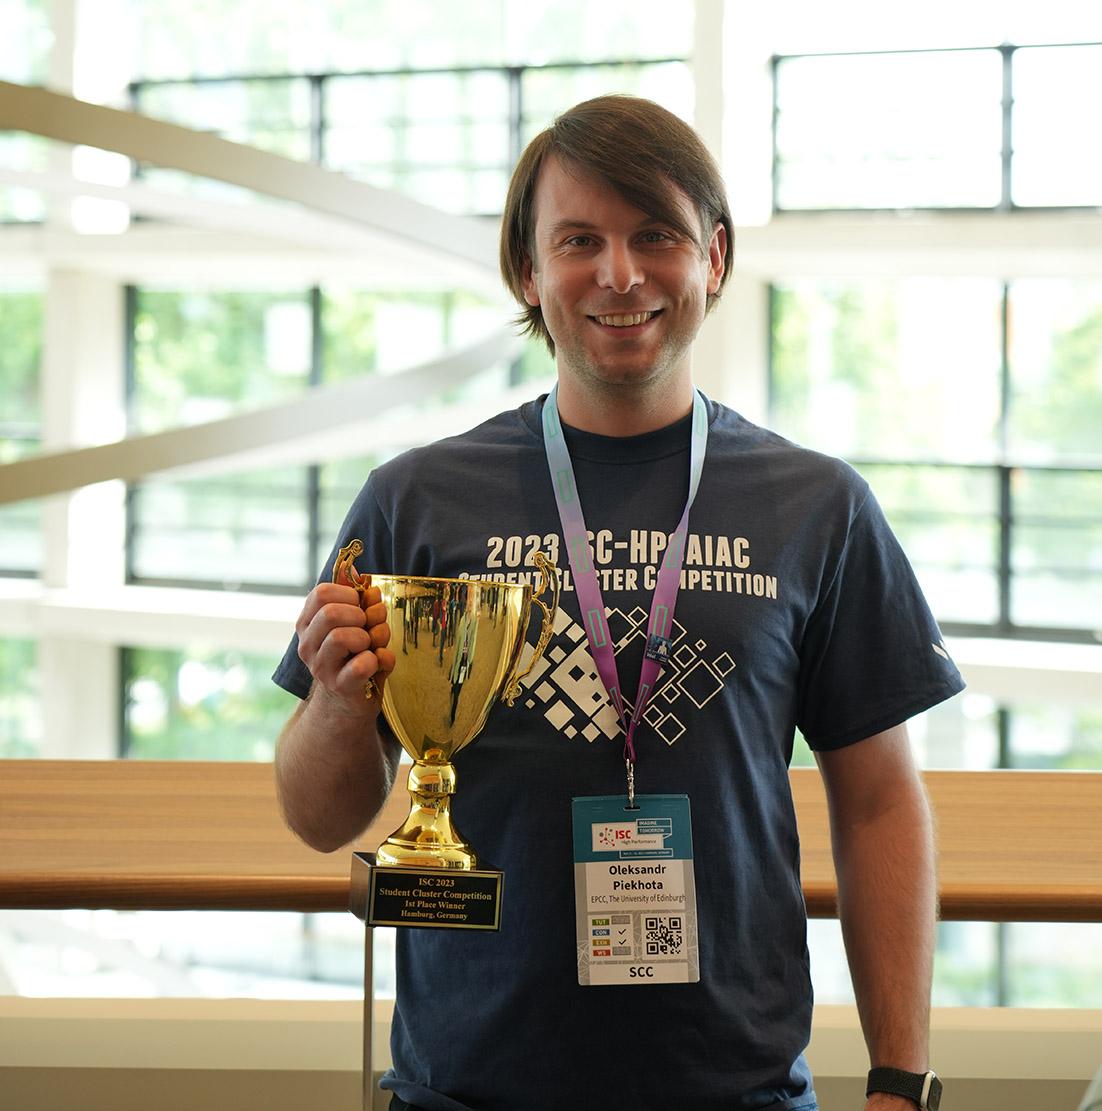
623,412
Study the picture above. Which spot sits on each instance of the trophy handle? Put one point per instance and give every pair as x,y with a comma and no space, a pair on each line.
343,563
549,577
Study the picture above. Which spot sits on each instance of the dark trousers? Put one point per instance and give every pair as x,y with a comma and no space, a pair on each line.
398,1104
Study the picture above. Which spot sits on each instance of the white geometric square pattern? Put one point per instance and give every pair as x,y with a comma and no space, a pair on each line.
574,699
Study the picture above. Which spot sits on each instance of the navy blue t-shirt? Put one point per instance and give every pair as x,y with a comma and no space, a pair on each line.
798,609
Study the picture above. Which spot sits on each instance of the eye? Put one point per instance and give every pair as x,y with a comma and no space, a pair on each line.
580,241
656,235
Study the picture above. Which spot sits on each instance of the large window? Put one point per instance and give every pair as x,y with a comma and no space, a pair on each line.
448,136
970,404
204,355
201,356
972,407
997,128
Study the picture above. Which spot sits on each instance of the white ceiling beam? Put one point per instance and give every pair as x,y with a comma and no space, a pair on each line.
69,120
319,418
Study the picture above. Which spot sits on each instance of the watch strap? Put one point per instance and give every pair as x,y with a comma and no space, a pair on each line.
924,1088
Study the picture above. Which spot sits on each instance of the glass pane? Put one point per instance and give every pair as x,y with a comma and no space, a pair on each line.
965,964
29,153
250,36
192,705
245,530
546,93
21,321
1056,89
20,699
20,421
946,518
366,332
25,43
921,130
579,31
1056,736
271,114
1055,355
434,136
891,369
205,954
1054,964
339,483
1056,559
20,522
200,356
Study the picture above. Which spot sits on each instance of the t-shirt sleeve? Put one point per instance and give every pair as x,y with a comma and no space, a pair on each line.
872,655
366,522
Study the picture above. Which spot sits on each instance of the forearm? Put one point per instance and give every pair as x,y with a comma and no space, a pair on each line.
887,895
333,771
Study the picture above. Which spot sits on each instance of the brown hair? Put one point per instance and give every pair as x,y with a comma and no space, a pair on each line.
639,148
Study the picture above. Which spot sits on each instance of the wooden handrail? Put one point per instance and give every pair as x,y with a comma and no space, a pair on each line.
1014,845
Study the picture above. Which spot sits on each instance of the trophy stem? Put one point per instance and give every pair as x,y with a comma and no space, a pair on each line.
427,838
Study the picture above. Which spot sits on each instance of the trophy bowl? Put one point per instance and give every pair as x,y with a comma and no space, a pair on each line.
458,645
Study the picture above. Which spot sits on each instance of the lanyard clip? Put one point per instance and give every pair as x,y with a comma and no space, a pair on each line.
629,764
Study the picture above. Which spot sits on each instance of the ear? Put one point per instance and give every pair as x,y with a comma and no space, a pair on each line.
717,258
528,282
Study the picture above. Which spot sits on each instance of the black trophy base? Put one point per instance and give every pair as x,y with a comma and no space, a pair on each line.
437,898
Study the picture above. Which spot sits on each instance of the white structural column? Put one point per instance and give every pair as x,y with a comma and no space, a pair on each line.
730,361
83,531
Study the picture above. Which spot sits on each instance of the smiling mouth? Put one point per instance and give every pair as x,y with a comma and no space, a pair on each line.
626,320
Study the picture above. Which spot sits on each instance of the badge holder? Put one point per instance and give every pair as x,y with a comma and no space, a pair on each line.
634,891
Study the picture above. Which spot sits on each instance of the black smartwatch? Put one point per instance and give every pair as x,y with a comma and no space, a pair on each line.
922,1087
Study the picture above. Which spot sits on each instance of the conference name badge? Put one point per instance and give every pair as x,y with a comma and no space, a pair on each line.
634,891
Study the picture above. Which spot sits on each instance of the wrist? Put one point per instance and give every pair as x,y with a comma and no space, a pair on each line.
358,709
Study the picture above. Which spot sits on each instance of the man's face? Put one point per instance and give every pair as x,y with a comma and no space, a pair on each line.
622,294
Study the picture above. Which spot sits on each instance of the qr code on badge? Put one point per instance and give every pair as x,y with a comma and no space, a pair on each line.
663,934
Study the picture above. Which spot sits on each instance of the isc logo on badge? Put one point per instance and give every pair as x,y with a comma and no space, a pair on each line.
614,836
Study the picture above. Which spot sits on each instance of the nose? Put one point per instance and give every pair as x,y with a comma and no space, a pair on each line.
619,269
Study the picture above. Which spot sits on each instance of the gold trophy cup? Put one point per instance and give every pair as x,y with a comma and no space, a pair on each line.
458,646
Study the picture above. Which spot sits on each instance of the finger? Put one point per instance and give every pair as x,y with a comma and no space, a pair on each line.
376,614
386,660
328,660
384,665
327,620
324,594
380,636
335,592
354,676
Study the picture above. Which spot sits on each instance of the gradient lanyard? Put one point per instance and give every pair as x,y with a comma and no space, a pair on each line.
660,624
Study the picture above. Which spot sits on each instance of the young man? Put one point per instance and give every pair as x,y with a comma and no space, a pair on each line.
794,608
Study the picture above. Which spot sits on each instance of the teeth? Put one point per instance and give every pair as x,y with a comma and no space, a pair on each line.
624,321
